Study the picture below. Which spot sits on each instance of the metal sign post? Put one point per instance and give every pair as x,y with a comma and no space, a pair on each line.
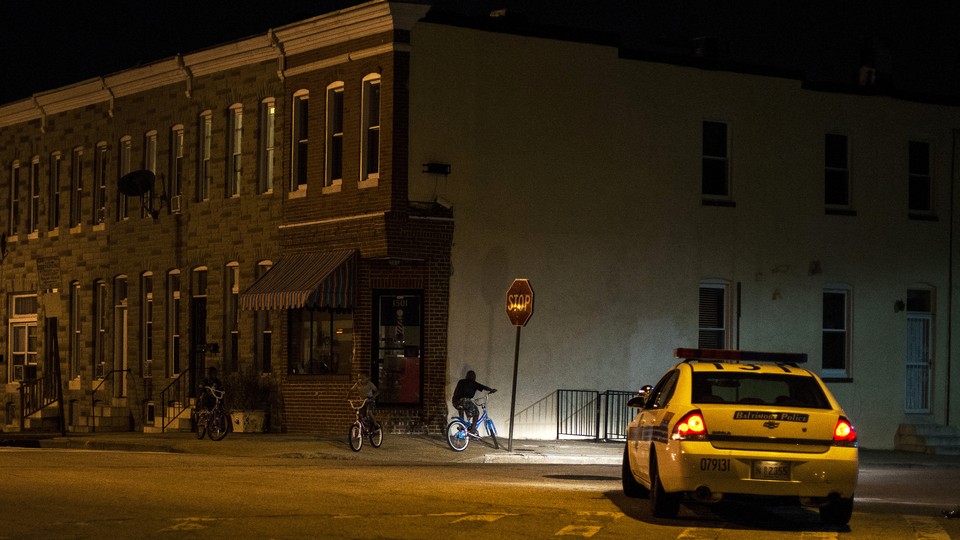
519,310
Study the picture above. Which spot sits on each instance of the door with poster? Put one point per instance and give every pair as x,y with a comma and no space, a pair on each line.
397,350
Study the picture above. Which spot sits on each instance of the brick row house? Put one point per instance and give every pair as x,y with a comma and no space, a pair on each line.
281,157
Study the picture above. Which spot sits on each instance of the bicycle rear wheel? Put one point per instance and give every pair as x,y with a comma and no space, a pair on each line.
356,437
376,435
492,430
219,426
457,436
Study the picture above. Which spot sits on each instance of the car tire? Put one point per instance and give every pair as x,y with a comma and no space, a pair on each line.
837,512
662,504
631,488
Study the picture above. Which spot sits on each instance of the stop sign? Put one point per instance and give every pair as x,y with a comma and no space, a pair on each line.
519,302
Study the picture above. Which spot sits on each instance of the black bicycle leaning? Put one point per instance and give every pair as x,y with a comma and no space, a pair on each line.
211,421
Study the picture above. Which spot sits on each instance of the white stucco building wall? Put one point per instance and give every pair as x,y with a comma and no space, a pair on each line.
581,171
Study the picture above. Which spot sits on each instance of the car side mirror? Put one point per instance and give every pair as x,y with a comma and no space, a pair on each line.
641,397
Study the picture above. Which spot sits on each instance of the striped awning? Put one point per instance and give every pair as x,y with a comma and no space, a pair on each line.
312,280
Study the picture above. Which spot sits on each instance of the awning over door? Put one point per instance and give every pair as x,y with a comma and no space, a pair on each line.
313,280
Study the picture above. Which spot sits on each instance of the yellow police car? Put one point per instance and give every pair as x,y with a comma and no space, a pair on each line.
725,423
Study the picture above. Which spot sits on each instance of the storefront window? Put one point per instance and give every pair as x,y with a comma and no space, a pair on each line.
399,330
321,342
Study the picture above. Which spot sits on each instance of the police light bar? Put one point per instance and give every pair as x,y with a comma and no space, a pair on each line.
739,356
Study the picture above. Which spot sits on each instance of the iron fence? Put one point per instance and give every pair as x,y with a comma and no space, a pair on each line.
593,414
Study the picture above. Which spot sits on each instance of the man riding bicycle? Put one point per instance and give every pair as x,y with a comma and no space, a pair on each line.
463,398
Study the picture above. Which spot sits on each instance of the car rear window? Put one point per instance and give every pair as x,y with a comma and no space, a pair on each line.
759,389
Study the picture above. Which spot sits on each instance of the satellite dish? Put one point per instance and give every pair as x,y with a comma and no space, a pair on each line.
137,183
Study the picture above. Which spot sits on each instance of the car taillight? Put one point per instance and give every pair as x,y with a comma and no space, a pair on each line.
690,427
844,433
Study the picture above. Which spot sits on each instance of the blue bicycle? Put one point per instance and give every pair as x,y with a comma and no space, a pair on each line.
458,436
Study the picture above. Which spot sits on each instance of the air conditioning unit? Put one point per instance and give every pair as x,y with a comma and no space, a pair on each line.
99,371
176,203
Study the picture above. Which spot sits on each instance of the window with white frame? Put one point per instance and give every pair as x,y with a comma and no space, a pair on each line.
76,187
146,323
715,174
206,142
836,332
14,216
333,171
920,191
100,313
836,170
33,218
53,212
150,164
125,149
23,337
235,153
174,364
714,316
231,317
301,125
74,329
370,143
175,187
268,124
100,183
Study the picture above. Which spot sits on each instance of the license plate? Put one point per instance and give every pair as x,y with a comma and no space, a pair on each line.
771,470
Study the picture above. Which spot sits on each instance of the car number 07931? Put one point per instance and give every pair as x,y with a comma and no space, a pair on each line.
714,464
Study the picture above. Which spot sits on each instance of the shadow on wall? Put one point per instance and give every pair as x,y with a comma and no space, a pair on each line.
538,421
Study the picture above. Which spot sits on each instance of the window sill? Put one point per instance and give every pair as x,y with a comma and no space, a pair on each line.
299,193
333,188
719,202
371,182
100,227
840,212
923,217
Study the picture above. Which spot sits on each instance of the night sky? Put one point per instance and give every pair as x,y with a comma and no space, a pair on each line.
46,44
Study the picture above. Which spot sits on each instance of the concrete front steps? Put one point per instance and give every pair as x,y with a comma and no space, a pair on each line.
928,439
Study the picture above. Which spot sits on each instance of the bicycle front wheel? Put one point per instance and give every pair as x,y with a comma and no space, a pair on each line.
356,437
457,436
376,435
492,430
218,426
200,420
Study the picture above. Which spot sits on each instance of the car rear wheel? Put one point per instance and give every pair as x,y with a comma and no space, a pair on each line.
631,488
837,511
663,504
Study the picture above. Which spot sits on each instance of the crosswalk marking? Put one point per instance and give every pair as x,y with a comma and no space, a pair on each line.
586,531
926,528
696,533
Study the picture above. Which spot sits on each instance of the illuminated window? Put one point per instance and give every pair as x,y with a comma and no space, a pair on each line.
398,346
301,124
370,145
715,175
268,121
334,163
23,342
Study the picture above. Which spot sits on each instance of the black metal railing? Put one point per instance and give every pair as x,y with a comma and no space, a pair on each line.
175,398
594,414
36,394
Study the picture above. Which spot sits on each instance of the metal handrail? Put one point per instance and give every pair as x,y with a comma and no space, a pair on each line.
35,395
176,389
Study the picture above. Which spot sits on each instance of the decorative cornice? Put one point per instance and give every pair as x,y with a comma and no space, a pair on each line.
371,18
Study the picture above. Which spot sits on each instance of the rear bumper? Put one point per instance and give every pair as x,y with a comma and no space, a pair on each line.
693,465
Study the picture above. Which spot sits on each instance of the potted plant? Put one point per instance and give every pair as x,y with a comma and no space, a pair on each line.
248,397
